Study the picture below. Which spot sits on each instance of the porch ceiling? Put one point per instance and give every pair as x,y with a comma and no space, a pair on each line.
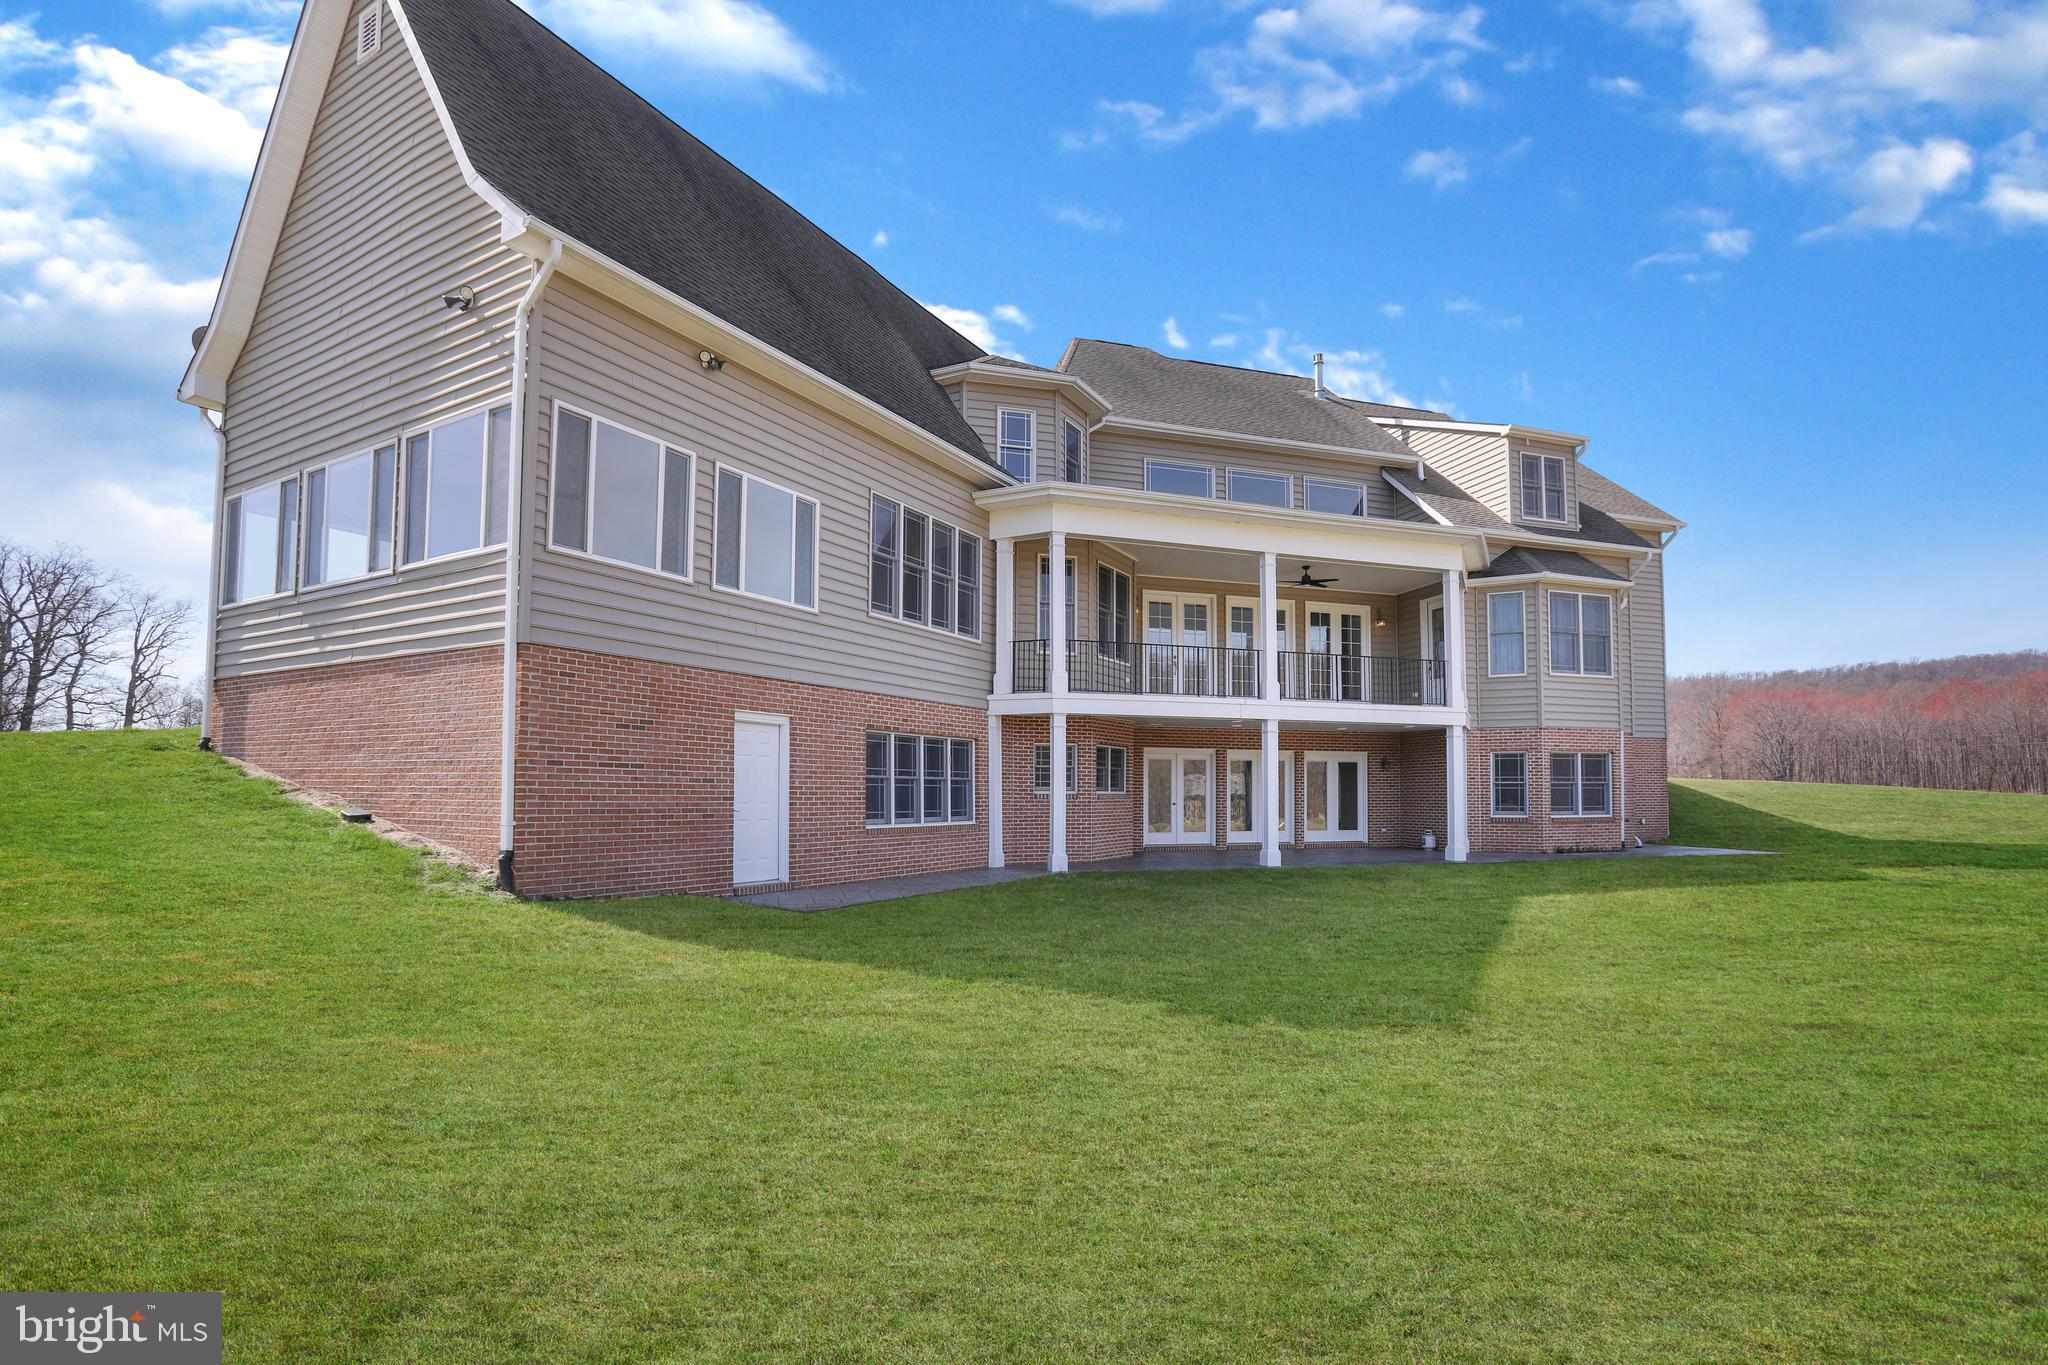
1235,568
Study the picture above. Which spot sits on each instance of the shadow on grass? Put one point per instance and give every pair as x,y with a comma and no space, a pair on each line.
1314,948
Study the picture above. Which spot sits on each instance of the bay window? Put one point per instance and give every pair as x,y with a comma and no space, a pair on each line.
1506,653
350,504
1041,768
764,541
1016,439
1581,633
619,495
1073,452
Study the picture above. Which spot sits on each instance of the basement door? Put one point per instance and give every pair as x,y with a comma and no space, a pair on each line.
1247,825
1177,796
760,799
1333,798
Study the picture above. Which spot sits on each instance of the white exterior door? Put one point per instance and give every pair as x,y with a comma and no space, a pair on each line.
1178,636
1333,798
760,800
1338,645
1177,796
1242,805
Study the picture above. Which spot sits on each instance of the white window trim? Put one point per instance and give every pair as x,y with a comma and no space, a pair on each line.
1523,671
973,780
298,562
1073,768
1579,671
1030,474
402,524
1493,787
981,583
1209,470
590,497
1286,479
817,537
1564,485
306,522
1579,786
1066,423
1125,788
1309,481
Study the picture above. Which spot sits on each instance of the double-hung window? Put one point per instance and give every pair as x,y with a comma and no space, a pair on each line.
922,570
1581,633
1506,651
1579,784
765,540
919,780
456,481
1112,769
1073,453
1267,490
1112,612
350,504
1543,488
1511,784
1016,439
1041,768
619,495
1328,495
260,556
1185,480
1045,598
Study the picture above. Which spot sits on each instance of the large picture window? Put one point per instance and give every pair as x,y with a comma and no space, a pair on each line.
1543,488
1506,638
455,485
260,555
1328,495
1016,438
765,540
350,504
922,570
1268,490
919,780
1186,480
1581,633
1510,784
1579,784
619,495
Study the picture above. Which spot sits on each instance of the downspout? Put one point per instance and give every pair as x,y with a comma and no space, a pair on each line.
515,543
220,481
1621,711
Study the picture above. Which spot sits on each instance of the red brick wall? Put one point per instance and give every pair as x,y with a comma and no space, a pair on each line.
1649,788
413,739
625,778
1423,783
1539,831
1099,825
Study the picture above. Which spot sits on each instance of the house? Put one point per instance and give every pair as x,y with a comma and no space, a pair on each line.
585,507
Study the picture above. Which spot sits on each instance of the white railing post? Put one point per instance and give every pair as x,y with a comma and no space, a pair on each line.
995,790
1267,632
1056,614
1056,852
1269,793
1006,614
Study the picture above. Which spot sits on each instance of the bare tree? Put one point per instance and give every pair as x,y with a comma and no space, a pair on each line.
90,639
157,625
45,597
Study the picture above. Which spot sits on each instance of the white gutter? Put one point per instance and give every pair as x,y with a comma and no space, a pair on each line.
515,540
220,480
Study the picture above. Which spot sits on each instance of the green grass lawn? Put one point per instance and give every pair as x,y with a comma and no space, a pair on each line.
1791,1106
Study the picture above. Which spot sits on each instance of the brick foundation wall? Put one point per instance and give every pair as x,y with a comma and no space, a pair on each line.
625,778
1649,788
1541,832
1423,797
413,739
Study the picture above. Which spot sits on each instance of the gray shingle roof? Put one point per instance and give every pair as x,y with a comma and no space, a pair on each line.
1460,508
1610,497
570,145
1528,559
1140,383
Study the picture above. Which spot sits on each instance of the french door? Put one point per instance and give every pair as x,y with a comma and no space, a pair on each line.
1243,809
1179,659
1333,798
1241,633
1177,796
1336,645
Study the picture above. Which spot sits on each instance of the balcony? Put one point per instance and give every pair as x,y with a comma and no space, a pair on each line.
1128,668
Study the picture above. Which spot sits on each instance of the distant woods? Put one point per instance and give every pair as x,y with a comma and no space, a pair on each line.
82,648
1977,722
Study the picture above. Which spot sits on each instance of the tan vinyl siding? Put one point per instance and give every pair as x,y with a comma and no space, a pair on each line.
350,346
1474,461
1571,700
601,358
980,402
1117,459
1509,700
1647,677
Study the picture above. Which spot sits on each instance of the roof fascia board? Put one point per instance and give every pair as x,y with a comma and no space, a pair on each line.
1212,436
1516,535
1547,576
286,136
984,373
671,310
1508,430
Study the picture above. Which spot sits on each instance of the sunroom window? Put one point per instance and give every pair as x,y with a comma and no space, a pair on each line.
619,495
765,541
455,485
260,556
350,504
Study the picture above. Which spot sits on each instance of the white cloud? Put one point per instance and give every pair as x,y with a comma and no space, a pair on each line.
980,328
1484,316
20,45
2018,192
733,38
1708,232
880,239
1223,340
1896,183
1443,168
1390,311
1729,243
1523,389
1349,373
1175,338
1088,220
120,100
1012,314
1627,87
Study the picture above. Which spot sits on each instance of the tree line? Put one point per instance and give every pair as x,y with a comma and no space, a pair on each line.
83,648
1980,725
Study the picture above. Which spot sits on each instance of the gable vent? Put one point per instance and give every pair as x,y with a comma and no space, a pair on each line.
369,33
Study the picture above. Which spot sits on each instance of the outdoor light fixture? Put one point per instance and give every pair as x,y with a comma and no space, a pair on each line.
711,363
1379,618
460,299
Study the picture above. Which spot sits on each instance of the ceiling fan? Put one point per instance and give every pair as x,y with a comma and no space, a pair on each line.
1307,582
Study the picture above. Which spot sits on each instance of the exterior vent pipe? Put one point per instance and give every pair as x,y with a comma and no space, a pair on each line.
1321,392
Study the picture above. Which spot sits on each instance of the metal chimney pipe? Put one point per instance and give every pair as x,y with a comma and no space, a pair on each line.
1320,391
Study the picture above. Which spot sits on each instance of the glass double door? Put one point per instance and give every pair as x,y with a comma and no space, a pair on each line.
1245,809
1333,798
1179,659
1336,648
1178,791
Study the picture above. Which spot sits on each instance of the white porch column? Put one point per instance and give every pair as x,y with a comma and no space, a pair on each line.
995,790
1455,645
1056,851
1267,633
1006,616
1269,785
1056,613
1457,838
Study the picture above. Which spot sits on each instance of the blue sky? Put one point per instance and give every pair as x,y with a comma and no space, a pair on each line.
1786,265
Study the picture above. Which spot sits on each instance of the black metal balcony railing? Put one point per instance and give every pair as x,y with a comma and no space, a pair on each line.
1135,668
